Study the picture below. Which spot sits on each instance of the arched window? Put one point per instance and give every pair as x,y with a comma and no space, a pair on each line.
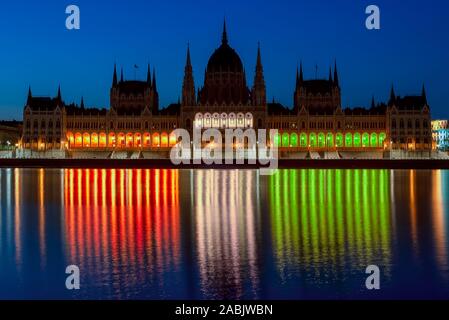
348,140
137,140
303,140
156,140
78,140
294,139
86,140
321,140
102,140
339,140
164,140
129,140
365,139
330,140
94,140
382,138
393,123
285,140
357,140
373,140
172,139
111,140
312,140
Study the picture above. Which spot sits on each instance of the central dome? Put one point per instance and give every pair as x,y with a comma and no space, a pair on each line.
225,59
224,81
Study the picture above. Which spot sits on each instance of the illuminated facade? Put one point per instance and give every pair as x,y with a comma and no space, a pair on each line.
440,134
316,123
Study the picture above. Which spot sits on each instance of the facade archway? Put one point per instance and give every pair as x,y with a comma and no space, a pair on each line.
285,140
339,140
312,140
348,140
94,140
294,140
303,140
330,140
374,140
86,140
357,140
156,140
102,140
365,140
111,140
146,139
321,140
164,140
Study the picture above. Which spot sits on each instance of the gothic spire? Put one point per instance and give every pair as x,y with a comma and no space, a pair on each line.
224,39
336,82
149,76
29,95
114,77
330,75
259,90
373,102
188,85
154,80
424,94
59,93
82,103
392,95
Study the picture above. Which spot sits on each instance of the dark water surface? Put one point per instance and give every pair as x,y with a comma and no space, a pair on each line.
231,234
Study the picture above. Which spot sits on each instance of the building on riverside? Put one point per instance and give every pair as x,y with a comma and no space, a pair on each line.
316,123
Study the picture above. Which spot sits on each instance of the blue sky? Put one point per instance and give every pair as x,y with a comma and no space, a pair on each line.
411,48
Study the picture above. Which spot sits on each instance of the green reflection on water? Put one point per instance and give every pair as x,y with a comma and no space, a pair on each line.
330,218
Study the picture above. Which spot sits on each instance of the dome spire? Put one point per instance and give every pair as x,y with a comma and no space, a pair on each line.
224,39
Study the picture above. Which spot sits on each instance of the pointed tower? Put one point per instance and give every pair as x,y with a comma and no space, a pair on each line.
224,38
259,89
330,75
114,77
297,93
155,95
188,85
336,81
424,94
82,103
373,103
30,96
392,96
149,76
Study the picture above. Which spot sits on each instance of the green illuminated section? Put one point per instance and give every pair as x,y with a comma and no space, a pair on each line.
312,139
330,140
357,140
321,140
303,140
382,138
325,220
348,140
294,139
285,140
277,139
374,140
339,140
365,139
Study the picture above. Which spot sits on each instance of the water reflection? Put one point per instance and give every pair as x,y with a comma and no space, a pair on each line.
227,222
123,224
222,233
326,220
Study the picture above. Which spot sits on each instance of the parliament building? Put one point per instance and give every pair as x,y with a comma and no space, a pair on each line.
316,126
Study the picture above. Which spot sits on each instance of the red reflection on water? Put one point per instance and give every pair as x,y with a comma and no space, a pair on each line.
120,221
